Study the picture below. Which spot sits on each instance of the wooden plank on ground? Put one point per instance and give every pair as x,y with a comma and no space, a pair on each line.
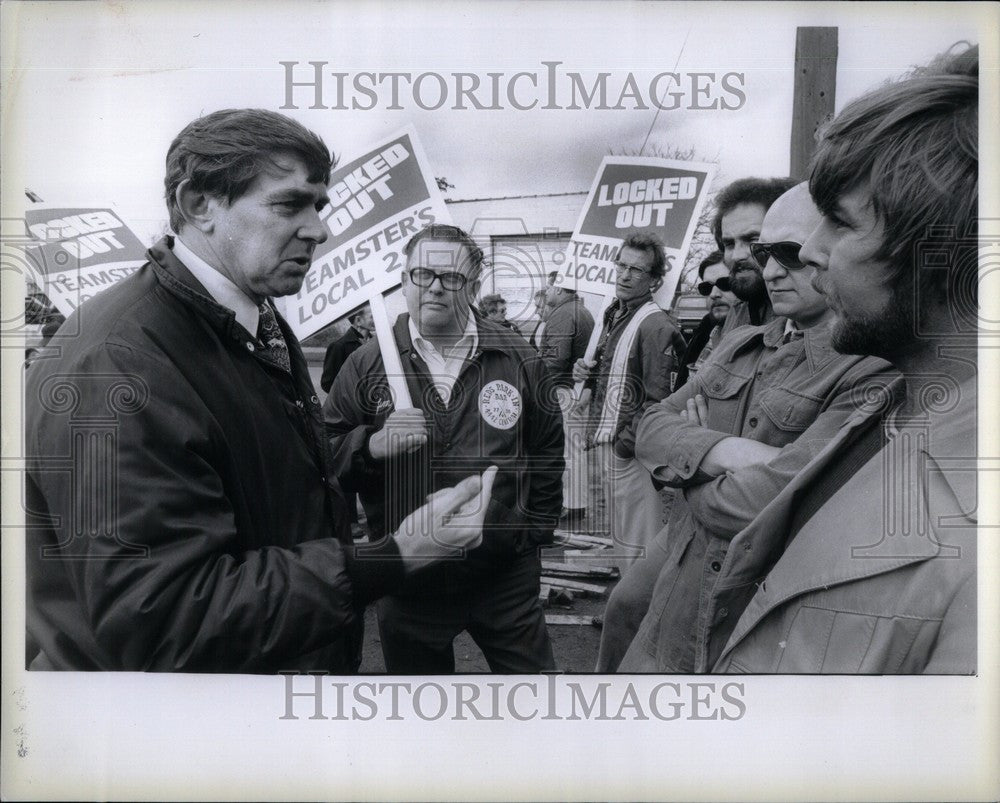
570,619
590,538
587,589
568,569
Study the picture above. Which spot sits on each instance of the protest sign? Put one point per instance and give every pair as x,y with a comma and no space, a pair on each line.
664,197
79,252
377,202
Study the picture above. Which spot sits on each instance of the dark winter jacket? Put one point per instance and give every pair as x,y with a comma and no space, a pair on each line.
184,517
496,415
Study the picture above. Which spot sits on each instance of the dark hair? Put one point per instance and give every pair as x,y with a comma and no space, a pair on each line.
358,313
715,258
224,152
914,144
650,244
488,304
449,234
553,275
759,191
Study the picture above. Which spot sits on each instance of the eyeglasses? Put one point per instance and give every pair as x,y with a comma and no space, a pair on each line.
425,277
723,283
633,271
785,254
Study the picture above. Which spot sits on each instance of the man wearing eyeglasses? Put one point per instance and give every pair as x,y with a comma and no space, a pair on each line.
632,368
759,409
477,389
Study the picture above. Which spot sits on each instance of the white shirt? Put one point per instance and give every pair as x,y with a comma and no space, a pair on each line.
219,287
445,368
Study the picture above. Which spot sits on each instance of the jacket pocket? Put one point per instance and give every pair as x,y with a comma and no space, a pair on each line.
788,410
827,640
719,383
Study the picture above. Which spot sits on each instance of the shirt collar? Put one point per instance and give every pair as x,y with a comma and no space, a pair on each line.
219,287
469,340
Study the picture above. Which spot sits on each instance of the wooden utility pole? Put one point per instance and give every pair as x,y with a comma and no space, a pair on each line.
815,92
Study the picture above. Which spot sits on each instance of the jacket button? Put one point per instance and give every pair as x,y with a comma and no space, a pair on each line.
249,346
716,566
717,386
753,421
746,546
723,613
314,399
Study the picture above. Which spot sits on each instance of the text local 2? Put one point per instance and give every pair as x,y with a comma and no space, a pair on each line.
320,281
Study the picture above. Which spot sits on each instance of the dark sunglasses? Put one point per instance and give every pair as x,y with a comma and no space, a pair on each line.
785,253
424,277
705,288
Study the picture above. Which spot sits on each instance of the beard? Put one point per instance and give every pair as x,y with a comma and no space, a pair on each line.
747,283
719,312
884,335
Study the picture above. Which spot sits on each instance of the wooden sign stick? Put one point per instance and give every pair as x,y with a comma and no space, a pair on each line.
595,338
390,354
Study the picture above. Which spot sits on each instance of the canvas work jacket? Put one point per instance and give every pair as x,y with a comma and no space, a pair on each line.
880,579
795,395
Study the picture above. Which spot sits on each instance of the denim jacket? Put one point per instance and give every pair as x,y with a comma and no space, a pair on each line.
793,395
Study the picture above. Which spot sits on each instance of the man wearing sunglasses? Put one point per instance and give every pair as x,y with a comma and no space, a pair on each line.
713,282
477,387
759,409
866,562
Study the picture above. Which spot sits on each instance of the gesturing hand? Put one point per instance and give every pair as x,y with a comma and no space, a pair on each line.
451,520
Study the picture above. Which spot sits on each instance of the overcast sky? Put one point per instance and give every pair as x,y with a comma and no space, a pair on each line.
98,90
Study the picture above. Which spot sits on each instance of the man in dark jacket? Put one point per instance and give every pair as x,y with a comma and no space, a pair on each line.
636,355
714,282
478,391
183,516
568,326
344,346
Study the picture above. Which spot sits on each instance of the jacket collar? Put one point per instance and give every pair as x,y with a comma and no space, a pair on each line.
819,350
492,336
177,279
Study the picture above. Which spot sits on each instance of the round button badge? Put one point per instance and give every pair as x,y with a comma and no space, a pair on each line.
500,404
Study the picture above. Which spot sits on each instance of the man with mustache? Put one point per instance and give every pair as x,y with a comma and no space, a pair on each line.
740,209
182,510
632,367
866,561
762,405
713,281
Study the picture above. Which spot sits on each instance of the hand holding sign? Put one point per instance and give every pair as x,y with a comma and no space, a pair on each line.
451,520
404,431
582,369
